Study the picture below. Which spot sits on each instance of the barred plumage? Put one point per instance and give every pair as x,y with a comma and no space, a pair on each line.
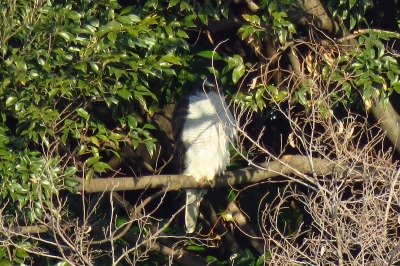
204,127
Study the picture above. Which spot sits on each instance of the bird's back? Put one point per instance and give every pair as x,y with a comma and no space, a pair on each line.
206,133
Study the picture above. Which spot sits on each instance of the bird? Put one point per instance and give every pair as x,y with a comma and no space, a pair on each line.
203,128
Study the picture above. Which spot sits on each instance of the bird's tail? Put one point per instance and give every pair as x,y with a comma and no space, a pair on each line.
193,199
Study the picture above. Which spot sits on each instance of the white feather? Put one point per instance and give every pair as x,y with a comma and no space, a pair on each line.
206,134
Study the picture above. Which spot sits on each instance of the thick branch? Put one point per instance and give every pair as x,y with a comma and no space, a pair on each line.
389,120
245,228
288,165
28,229
226,236
317,10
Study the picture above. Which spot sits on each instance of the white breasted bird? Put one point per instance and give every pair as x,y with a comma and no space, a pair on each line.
203,129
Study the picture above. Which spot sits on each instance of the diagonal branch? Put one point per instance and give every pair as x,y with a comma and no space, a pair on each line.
389,120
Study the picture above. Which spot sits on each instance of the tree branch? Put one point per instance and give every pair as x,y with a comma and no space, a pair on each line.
245,228
389,120
226,236
366,31
285,166
317,10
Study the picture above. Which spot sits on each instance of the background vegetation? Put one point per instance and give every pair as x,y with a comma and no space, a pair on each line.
87,92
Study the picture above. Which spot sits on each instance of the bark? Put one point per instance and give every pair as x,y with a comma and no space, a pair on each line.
389,120
320,17
296,164
226,236
245,228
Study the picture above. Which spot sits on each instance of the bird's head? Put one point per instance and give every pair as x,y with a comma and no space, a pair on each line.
208,85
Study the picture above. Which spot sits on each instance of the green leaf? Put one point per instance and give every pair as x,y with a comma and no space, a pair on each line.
203,18
132,122
21,65
109,27
71,182
248,30
238,72
352,3
101,167
94,66
74,15
195,248
173,3
300,95
92,160
5,82
112,36
94,22
66,35
396,88
263,259
89,28
128,19
124,93
232,196
209,55
149,126
82,149
81,66
346,86
70,171
171,59
95,141
254,19
211,259
10,101
151,147
83,113
234,61
120,221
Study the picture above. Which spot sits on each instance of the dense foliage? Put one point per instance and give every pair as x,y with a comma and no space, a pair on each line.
86,87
